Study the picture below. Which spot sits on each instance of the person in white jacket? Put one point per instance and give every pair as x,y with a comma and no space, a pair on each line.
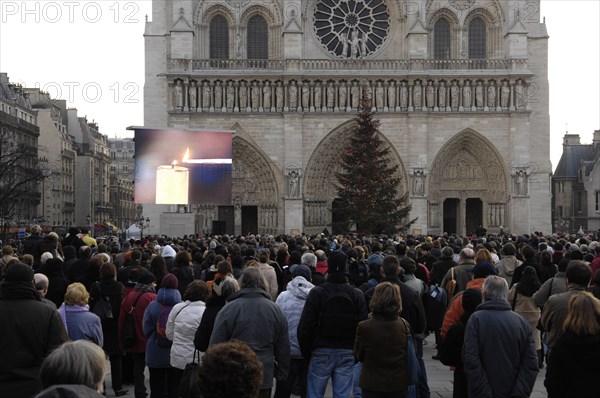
291,301
183,323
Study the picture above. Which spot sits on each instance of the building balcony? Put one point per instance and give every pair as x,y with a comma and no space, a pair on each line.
228,67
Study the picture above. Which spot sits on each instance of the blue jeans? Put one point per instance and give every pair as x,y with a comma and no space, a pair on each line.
423,386
356,391
337,363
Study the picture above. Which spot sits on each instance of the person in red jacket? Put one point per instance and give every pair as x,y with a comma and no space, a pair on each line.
141,297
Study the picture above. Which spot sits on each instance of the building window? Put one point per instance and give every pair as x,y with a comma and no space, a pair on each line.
441,39
258,38
477,39
597,200
219,38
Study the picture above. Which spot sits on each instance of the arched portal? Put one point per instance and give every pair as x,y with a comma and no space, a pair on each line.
320,183
468,186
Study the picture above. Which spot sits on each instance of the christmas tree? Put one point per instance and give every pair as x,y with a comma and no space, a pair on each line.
368,184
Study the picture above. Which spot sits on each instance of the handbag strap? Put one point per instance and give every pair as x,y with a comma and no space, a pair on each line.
406,327
135,302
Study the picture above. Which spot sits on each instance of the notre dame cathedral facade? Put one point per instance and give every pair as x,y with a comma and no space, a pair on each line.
460,88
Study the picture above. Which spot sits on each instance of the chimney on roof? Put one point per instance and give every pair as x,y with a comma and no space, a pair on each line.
571,139
596,140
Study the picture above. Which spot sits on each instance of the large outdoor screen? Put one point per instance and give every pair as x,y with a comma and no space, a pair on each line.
177,166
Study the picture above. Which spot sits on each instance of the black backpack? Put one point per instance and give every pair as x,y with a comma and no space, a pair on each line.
338,316
128,331
101,306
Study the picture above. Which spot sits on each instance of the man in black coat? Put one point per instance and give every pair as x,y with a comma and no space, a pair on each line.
440,267
29,331
327,329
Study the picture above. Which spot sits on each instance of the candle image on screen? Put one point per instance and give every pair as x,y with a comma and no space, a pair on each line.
172,184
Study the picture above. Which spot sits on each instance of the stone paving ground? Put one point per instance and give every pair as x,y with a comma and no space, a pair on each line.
439,376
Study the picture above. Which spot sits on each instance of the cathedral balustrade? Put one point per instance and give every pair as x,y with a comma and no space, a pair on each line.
326,65
506,92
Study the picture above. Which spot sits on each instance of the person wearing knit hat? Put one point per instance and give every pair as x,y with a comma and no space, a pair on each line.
22,348
327,329
451,347
158,347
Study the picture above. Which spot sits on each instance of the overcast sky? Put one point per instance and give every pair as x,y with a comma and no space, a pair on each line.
91,53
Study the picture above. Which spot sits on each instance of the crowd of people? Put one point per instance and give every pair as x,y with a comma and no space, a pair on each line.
261,316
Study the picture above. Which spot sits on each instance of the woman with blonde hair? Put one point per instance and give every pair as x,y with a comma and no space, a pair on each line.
573,362
482,255
80,323
381,345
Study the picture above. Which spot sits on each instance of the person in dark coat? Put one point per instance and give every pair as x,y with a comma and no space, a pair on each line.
441,267
183,270
215,302
381,346
31,245
451,346
249,310
82,270
57,281
529,260
412,311
29,331
108,287
573,362
500,359
326,341
73,239
164,378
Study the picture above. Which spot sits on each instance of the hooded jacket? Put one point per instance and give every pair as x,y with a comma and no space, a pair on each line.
506,267
146,296
291,301
157,356
455,309
500,359
184,320
249,310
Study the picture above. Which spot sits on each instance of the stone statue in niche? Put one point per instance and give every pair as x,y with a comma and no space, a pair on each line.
343,94
255,95
479,95
355,93
417,94
279,95
430,94
318,94
193,91
230,92
442,95
521,177
379,95
403,95
267,95
467,95
239,45
178,94
520,95
205,95
293,184
491,92
293,95
218,95
305,95
330,95
391,95
419,183
454,94
243,95
504,94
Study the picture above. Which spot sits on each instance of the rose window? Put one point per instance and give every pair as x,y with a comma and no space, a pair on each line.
351,28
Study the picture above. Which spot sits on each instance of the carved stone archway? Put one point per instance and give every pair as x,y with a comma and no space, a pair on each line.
468,167
320,184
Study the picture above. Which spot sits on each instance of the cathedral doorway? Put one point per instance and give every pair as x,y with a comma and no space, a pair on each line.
468,179
339,222
320,183
249,220
226,220
451,207
474,214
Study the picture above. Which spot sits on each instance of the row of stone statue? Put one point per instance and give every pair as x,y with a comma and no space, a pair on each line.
311,96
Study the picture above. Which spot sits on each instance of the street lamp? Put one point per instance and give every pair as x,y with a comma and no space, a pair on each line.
144,223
